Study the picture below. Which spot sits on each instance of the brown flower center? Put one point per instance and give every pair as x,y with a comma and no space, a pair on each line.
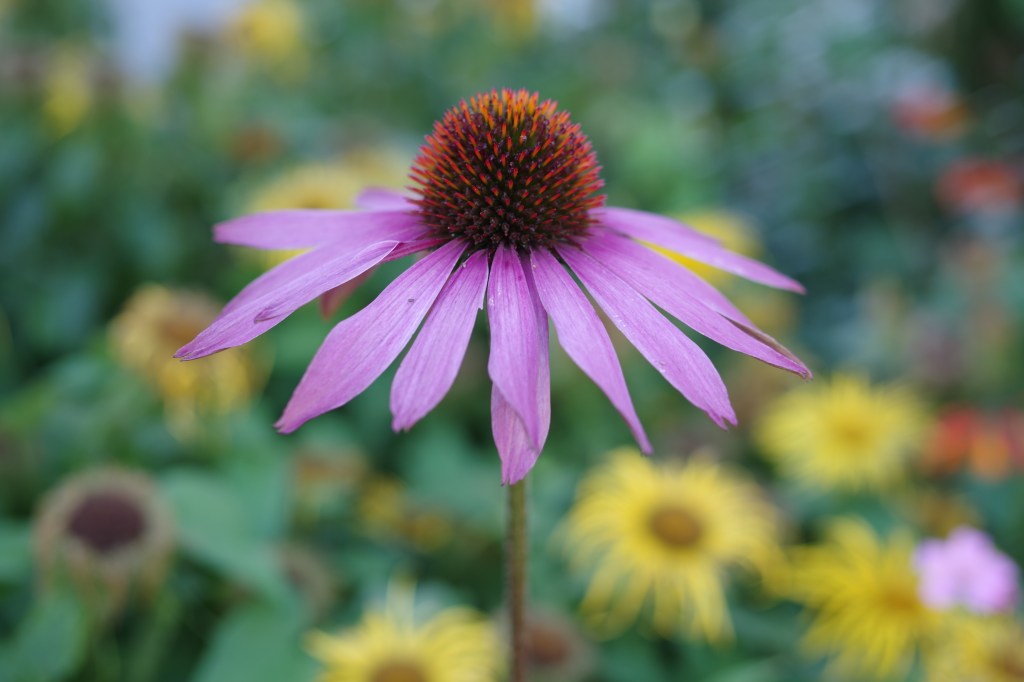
399,671
675,526
1009,664
107,521
505,168
853,432
546,647
900,600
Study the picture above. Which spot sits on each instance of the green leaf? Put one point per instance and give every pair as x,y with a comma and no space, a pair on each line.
50,642
258,643
216,528
15,552
260,476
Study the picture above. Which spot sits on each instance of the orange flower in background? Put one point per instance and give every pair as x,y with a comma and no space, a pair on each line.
930,113
988,445
980,186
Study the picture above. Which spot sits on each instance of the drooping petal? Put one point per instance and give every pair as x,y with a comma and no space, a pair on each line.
296,267
708,295
584,337
331,300
657,278
679,359
382,199
674,236
245,322
301,229
361,347
650,227
517,449
512,362
428,370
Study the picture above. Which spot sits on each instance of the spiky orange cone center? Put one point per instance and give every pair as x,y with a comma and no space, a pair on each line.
505,168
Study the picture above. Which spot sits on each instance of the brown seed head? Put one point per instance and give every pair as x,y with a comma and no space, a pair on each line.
505,168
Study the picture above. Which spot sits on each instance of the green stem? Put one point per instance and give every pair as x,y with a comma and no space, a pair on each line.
515,559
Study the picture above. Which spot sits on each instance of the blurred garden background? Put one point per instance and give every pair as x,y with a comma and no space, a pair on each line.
155,528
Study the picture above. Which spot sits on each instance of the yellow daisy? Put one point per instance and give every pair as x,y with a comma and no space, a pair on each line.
977,649
67,89
330,185
666,535
153,324
843,435
516,19
455,645
272,32
863,590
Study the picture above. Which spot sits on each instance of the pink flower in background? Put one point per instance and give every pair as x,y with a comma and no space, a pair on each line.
507,210
966,570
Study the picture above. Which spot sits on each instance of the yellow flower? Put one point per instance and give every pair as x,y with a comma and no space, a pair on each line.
516,19
665,535
67,90
977,649
325,186
156,322
272,32
864,592
455,645
843,435
731,229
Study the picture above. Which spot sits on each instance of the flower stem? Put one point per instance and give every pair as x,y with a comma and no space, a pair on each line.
515,559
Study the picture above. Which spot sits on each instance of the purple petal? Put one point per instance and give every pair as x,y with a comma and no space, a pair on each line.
684,277
651,227
382,199
667,234
994,588
939,590
300,229
296,267
517,451
331,300
583,336
361,347
428,370
656,278
679,360
516,447
512,363
259,314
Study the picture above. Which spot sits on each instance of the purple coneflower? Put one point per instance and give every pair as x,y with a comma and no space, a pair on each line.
506,205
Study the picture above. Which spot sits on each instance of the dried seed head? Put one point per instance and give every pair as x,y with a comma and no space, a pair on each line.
107,520
505,169
110,532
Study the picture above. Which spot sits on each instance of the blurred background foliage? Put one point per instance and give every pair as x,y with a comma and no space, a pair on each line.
154,527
